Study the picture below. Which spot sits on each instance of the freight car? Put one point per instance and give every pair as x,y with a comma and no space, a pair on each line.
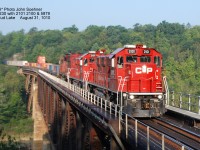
41,64
16,63
130,76
53,69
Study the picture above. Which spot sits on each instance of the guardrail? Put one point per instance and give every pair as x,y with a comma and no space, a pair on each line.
106,105
151,138
185,101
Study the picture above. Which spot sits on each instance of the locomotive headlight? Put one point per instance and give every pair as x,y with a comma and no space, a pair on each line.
124,94
159,96
131,96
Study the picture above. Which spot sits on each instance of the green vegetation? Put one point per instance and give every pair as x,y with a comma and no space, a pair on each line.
178,43
13,116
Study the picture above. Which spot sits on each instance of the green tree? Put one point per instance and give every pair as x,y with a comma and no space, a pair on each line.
95,47
72,29
51,38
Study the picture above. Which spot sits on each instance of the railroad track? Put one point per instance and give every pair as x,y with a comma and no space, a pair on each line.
188,138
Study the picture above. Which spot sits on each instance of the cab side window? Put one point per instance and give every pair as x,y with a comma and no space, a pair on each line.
157,61
85,62
120,62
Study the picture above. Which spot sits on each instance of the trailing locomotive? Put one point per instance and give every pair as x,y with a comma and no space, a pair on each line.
130,77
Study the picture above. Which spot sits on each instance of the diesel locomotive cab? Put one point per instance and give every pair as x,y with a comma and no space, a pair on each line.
142,89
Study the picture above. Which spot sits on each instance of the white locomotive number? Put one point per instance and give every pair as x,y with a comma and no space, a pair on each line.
146,51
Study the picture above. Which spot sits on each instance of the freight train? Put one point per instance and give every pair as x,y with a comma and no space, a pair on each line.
130,77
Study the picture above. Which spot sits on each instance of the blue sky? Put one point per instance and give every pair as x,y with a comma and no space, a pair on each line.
82,13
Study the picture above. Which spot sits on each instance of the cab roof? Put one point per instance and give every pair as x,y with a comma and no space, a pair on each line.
115,52
129,46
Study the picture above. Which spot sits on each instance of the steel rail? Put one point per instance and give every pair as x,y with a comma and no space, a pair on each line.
175,133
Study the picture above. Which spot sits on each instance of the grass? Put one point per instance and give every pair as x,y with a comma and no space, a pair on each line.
20,129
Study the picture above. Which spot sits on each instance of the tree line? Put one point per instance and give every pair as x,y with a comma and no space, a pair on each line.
178,43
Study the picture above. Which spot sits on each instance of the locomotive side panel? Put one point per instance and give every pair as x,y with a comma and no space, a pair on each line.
74,68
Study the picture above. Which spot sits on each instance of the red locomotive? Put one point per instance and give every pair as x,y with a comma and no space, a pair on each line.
130,76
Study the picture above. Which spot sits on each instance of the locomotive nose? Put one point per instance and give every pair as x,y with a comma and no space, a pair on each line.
141,78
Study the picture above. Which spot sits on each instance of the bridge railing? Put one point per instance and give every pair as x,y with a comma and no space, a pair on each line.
96,100
185,101
139,132
101,103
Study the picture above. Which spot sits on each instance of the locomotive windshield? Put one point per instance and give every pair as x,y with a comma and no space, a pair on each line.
145,59
131,59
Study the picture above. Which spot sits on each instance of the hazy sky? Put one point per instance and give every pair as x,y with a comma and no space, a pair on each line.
82,13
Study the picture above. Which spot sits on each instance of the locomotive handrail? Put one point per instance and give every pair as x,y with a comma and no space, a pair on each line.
122,86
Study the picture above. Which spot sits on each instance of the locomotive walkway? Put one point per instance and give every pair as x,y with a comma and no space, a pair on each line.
78,119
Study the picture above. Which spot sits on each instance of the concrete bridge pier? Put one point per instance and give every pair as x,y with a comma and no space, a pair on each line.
41,140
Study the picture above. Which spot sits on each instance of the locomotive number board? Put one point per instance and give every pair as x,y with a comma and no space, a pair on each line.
146,51
131,51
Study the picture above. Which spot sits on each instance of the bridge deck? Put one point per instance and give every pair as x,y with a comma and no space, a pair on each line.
183,112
